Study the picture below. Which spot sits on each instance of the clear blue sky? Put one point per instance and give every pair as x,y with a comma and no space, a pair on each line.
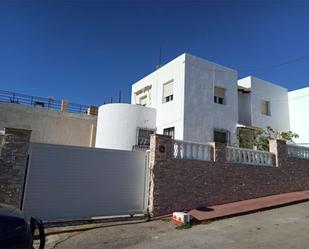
87,51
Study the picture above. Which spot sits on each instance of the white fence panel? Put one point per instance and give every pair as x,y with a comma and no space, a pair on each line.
298,151
247,156
67,182
188,150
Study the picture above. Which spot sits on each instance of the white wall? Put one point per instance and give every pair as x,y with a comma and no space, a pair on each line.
201,114
278,97
169,114
299,118
118,123
48,125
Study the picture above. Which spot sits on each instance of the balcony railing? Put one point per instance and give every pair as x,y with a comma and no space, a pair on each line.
247,156
298,151
193,151
17,98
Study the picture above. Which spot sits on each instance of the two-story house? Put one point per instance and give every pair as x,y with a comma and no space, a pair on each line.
195,100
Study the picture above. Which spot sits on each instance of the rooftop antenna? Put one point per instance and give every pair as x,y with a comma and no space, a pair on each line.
119,99
160,58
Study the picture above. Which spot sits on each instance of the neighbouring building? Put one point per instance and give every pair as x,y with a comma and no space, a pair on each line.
262,104
50,121
299,118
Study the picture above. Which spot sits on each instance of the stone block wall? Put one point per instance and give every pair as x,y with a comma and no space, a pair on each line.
177,184
13,161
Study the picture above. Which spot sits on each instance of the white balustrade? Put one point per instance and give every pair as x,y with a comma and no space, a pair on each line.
298,151
247,156
189,150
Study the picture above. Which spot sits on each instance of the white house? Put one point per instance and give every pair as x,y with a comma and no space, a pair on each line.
195,100
262,104
299,117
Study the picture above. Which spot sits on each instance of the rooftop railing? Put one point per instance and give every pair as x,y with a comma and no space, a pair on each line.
23,99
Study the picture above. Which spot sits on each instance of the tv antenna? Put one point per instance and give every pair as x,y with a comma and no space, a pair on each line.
160,58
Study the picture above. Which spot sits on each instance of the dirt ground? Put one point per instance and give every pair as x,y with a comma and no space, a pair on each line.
286,227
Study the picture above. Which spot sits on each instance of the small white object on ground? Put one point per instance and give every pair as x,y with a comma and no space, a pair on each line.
181,218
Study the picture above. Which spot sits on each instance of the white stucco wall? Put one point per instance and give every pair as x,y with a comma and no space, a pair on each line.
201,114
299,118
278,97
169,114
48,125
118,124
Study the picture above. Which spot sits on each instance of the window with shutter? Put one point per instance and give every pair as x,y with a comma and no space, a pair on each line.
168,92
219,95
265,107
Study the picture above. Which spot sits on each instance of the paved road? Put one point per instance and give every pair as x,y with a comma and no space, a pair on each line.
282,228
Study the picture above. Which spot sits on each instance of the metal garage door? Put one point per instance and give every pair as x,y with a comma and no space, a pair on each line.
65,182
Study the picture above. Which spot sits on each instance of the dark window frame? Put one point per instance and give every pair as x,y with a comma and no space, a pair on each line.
151,131
227,136
217,99
168,131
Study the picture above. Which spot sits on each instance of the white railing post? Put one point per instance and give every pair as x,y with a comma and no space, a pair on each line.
247,156
194,151
298,151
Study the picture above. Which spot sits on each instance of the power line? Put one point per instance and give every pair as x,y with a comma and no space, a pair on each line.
275,65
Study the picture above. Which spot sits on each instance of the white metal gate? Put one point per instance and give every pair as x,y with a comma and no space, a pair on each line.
67,182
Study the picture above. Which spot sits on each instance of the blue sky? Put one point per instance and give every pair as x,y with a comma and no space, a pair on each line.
87,51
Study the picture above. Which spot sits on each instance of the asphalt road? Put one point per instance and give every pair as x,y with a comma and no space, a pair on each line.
280,228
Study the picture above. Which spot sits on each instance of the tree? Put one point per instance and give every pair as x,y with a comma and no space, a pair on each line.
261,137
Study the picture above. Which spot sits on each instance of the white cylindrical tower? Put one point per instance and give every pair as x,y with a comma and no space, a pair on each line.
118,124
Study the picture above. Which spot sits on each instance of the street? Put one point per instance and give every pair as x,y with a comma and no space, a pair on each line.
286,227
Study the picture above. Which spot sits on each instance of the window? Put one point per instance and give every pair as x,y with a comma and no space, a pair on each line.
144,136
143,101
169,132
143,96
167,92
219,95
221,136
265,107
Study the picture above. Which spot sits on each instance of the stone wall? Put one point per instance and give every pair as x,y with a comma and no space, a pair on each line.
186,184
13,161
